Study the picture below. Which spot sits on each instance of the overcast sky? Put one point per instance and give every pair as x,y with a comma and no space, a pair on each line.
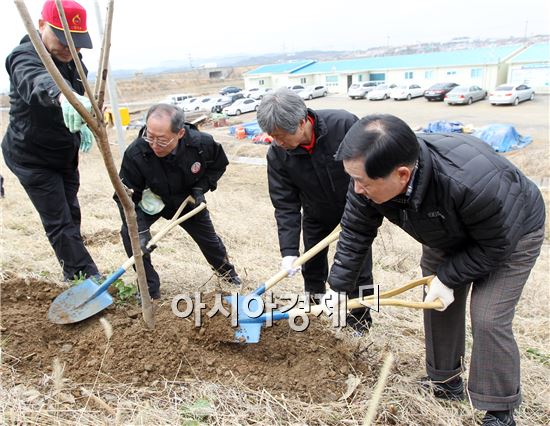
148,33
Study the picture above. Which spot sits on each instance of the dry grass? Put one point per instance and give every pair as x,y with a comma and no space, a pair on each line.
243,216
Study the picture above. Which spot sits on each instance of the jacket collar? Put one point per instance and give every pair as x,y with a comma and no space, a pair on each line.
423,176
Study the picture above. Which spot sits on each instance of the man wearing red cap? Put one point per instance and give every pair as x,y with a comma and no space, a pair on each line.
45,132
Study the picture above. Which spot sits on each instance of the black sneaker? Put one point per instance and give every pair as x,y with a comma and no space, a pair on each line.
498,418
359,320
452,390
232,278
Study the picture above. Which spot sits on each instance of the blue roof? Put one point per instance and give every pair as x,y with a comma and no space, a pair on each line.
286,68
535,53
481,56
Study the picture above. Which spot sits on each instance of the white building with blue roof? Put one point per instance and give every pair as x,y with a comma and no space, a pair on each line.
532,67
486,67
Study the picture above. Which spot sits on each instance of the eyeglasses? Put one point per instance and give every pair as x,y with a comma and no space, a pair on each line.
163,143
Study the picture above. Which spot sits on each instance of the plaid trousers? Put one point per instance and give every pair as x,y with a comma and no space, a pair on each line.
494,378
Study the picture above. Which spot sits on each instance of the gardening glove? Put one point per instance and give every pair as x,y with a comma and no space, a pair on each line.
440,291
144,238
286,264
71,117
86,139
198,195
150,202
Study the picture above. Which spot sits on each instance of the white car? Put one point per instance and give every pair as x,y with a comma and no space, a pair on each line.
311,92
241,106
257,92
511,94
407,91
380,92
360,90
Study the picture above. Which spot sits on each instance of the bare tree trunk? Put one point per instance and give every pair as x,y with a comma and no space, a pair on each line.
97,126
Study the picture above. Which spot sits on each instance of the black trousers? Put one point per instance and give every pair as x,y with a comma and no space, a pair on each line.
315,271
200,228
54,196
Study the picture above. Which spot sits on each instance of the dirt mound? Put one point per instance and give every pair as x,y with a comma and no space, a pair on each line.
101,237
312,365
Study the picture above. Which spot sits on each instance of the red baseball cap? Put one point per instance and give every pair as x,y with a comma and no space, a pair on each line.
76,18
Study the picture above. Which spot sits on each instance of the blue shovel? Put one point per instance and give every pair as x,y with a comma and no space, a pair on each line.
249,329
88,298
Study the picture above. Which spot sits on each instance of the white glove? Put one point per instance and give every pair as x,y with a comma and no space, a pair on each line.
150,202
286,264
440,291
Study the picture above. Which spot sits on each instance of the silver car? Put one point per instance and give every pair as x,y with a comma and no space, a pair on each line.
311,92
510,94
465,95
360,90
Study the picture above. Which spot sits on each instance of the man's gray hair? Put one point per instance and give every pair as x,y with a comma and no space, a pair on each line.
177,116
281,110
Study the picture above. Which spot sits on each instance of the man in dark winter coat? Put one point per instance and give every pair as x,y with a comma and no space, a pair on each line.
481,225
169,161
308,187
45,132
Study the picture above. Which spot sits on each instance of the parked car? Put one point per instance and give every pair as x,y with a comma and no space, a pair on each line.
438,91
511,94
296,87
229,89
257,92
189,104
204,103
311,92
177,99
360,90
380,92
241,106
406,91
226,101
465,95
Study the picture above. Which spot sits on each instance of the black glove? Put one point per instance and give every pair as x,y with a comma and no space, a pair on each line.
144,237
198,195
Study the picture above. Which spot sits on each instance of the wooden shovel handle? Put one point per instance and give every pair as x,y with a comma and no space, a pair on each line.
321,245
173,223
384,298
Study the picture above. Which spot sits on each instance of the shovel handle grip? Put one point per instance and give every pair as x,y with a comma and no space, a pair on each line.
321,245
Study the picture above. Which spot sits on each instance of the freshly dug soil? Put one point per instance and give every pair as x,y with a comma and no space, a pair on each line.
312,365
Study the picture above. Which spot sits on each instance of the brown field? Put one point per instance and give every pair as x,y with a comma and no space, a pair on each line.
178,374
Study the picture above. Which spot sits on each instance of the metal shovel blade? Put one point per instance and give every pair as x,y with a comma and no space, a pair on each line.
73,305
249,328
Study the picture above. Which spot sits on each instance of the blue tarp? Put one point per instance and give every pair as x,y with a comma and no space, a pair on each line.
503,137
251,128
443,127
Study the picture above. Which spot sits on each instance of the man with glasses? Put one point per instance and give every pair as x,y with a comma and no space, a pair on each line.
169,161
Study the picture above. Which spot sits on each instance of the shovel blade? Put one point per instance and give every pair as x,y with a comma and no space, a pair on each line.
249,332
73,306
249,329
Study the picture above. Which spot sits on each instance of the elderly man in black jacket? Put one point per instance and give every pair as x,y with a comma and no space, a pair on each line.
45,132
481,225
169,161
308,187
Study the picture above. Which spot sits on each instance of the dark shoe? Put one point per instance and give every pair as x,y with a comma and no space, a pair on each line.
498,418
231,277
452,390
359,320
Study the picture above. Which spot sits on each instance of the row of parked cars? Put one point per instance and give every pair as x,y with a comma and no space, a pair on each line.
451,93
233,100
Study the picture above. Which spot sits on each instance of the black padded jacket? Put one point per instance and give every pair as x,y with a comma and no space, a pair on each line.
315,183
467,200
